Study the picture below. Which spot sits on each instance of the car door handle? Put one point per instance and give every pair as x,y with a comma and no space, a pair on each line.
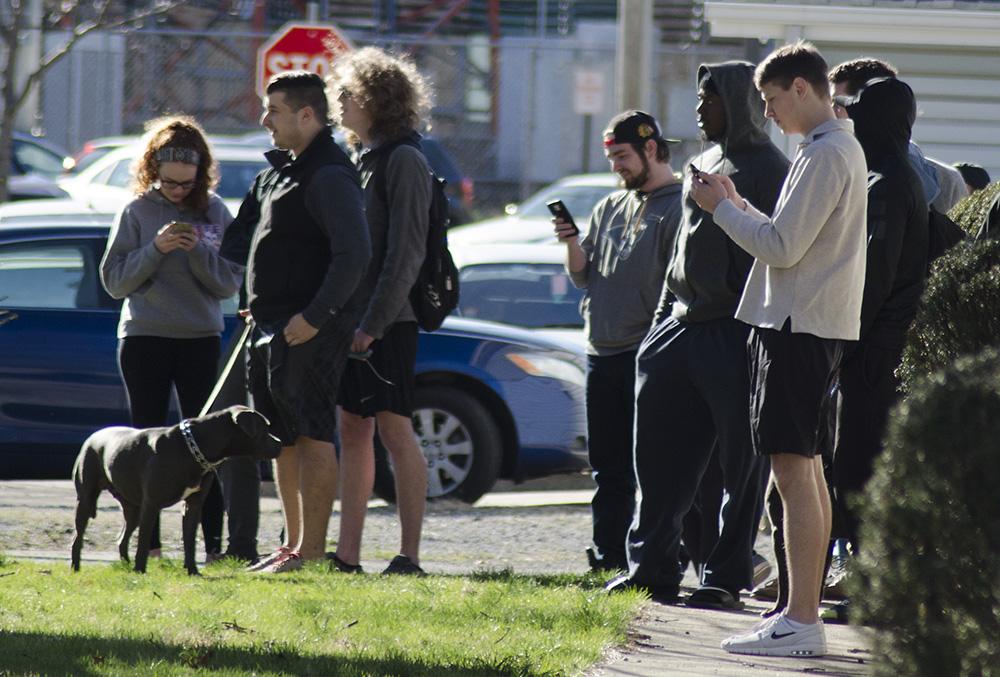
7,316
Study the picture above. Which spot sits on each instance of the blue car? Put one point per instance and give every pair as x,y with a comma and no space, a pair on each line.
492,400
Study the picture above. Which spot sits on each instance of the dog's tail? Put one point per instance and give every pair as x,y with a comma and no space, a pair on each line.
88,465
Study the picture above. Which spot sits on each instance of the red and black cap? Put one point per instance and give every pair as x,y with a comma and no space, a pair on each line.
633,126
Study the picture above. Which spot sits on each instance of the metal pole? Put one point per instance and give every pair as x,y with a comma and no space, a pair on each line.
635,21
587,124
312,12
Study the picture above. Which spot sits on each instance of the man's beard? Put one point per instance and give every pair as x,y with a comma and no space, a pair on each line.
638,180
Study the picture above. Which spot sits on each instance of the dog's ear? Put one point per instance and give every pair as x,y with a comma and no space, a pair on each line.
253,423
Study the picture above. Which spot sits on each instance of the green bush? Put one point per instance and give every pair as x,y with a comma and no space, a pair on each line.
928,578
959,312
971,211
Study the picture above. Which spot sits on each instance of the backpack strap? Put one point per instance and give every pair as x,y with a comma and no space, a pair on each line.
383,153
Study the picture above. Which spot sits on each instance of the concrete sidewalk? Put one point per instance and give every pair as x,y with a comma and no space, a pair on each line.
676,640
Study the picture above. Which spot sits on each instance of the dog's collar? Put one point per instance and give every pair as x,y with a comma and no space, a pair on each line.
192,446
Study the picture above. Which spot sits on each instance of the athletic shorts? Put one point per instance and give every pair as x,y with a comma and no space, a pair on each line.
295,387
385,381
791,375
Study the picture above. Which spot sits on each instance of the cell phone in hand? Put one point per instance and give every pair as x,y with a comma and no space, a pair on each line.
181,227
558,210
695,172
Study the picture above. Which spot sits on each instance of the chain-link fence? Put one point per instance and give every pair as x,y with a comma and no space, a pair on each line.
515,113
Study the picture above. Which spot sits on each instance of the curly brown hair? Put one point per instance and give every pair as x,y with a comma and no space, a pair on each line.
183,132
389,87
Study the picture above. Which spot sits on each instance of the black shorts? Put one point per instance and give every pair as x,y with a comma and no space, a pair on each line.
393,358
296,387
791,375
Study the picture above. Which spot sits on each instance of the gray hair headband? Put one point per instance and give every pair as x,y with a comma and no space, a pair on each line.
188,156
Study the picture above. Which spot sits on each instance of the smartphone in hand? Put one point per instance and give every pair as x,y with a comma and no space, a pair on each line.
558,210
695,172
179,227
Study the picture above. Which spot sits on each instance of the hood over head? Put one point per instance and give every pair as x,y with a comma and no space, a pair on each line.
744,108
883,112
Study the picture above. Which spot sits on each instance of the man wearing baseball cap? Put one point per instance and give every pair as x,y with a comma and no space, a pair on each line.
621,263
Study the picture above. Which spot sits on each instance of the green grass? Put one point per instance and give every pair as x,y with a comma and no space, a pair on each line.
107,620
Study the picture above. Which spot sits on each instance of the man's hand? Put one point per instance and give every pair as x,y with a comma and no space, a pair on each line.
298,331
708,191
565,231
361,341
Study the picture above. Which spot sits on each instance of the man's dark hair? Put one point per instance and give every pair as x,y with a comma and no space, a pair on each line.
797,60
302,88
662,149
856,72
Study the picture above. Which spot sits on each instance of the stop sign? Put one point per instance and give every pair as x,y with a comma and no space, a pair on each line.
300,47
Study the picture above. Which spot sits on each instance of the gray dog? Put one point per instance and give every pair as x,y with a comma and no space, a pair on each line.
151,469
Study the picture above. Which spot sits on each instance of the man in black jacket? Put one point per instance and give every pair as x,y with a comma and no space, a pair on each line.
301,232
692,384
883,112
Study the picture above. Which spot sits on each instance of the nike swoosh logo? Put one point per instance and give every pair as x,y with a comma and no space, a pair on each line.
775,635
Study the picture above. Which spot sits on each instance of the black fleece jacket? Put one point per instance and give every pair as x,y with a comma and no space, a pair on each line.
883,114
301,232
708,271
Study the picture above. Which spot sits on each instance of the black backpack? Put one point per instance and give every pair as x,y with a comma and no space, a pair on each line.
943,235
435,293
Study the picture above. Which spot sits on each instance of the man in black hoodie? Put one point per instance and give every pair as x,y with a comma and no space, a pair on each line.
692,385
883,113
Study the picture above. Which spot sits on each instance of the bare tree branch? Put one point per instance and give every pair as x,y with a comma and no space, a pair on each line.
80,32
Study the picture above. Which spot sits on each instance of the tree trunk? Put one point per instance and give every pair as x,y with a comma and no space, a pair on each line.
9,96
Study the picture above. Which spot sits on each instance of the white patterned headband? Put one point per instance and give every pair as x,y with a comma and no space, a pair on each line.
188,156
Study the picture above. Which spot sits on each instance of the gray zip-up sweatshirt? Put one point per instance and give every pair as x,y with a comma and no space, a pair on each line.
175,295
628,246
398,233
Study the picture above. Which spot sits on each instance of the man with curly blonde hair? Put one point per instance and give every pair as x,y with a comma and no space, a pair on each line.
379,99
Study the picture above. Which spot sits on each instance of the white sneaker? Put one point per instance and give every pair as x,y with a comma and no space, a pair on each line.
776,637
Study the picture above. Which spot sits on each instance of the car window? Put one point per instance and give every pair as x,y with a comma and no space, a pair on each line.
580,200
524,294
49,275
120,176
34,158
235,178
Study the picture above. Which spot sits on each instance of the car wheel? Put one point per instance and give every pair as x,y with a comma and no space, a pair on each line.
460,442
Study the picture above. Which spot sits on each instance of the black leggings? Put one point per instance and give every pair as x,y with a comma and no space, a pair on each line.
150,365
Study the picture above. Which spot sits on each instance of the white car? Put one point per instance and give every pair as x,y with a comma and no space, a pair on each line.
104,185
525,285
530,221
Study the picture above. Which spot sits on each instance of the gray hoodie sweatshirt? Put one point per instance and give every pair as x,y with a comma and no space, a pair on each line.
175,295
628,246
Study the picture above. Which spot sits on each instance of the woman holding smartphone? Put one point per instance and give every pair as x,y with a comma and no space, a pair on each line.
162,258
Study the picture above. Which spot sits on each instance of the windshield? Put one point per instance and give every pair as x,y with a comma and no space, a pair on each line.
235,178
524,294
580,201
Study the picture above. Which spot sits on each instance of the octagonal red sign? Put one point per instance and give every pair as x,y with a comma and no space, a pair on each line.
300,47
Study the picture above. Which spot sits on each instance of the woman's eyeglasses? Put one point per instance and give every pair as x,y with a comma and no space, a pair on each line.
173,185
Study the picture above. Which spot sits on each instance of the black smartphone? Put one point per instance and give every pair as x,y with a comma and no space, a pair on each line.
695,172
559,211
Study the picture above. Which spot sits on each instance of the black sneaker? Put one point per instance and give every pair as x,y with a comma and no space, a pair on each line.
403,565
334,562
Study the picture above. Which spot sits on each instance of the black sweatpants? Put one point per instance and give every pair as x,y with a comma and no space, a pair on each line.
868,390
151,366
610,403
693,389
